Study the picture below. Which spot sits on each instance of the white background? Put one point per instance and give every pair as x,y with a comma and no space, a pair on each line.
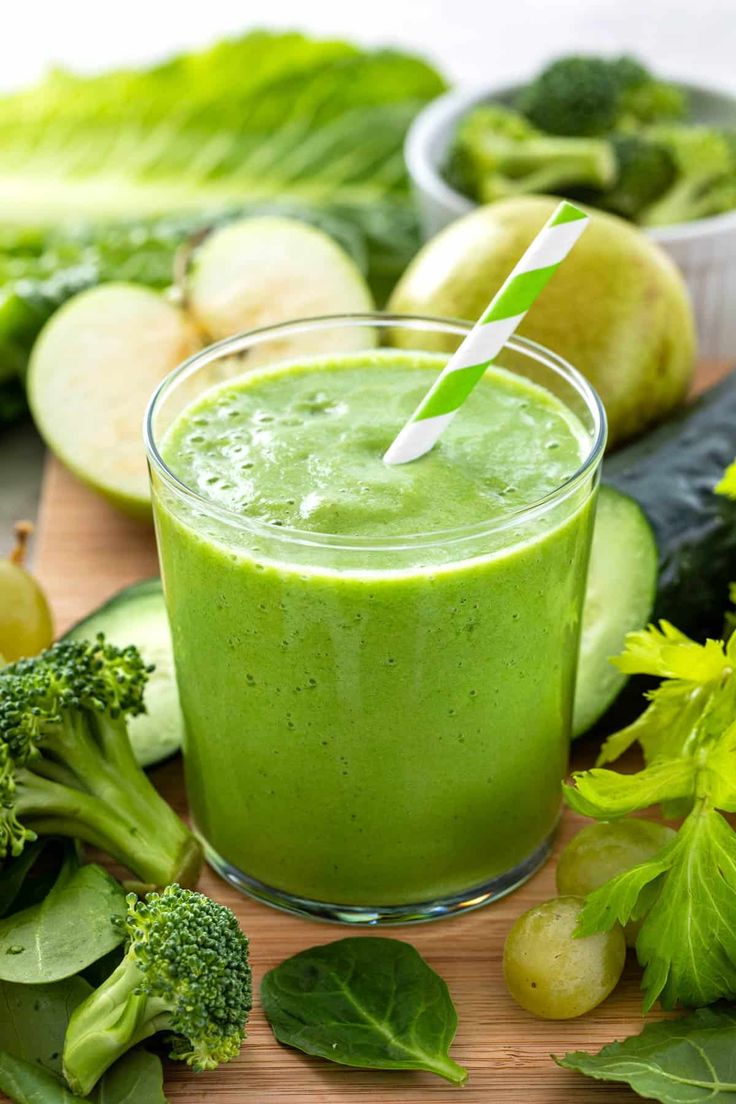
473,41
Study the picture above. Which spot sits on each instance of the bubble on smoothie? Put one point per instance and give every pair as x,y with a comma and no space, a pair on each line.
337,510
320,402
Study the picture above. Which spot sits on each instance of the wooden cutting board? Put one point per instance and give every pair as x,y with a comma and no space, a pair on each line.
85,552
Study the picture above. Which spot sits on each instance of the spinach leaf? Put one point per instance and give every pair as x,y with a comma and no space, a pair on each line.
26,1083
365,1002
99,971
137,1078
27,879
77,923
33,1019
14,873
682,1061
33,1023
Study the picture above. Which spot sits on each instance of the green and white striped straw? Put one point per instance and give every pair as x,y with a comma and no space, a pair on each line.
505,312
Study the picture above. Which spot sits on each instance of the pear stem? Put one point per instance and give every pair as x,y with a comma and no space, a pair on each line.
23,531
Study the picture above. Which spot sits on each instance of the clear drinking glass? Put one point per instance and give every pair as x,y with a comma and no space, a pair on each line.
376,729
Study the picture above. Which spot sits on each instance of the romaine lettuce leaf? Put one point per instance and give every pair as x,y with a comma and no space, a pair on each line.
103,177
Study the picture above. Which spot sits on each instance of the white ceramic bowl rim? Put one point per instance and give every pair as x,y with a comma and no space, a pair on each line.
424,168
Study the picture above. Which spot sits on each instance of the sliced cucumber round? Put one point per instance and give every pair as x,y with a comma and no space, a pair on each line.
137,615
619,598
92,371
260,271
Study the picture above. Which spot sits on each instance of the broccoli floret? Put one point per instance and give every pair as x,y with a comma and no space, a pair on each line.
185,972
645,170
628,71
643,98
705,181
67,767
498,153
577,96
589,96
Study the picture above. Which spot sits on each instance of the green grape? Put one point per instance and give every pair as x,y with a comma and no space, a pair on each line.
552,974
601,851
26,627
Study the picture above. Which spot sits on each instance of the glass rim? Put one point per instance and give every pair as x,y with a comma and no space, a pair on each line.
241,342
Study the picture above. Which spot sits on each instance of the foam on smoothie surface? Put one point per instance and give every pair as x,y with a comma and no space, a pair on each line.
301,446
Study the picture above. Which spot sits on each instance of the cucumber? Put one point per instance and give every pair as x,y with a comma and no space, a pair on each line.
137,615
620,593
260,271
671,473
92,371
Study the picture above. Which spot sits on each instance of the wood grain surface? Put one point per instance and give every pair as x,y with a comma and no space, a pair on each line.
85,552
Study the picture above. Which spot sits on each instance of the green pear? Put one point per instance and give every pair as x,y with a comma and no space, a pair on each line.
616,309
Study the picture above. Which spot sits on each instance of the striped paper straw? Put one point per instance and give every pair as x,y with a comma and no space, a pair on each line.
505,312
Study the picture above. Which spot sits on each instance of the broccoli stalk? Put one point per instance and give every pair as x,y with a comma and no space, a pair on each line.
498,154
705,180
645,170
185,972
67,767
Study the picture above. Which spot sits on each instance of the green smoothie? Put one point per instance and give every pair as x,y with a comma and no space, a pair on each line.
376,663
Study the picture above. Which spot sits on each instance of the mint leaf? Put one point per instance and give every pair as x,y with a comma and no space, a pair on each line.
684,1061
366,1002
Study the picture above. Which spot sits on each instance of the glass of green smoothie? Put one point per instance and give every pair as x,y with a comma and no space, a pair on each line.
376,663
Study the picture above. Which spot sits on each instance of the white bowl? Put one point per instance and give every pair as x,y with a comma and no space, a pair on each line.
704,250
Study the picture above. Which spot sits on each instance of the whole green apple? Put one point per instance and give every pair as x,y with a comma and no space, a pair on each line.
616,309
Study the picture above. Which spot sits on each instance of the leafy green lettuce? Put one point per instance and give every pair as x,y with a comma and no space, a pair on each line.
103,177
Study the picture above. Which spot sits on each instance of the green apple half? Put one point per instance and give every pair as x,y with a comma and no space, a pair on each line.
261,271
93,369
